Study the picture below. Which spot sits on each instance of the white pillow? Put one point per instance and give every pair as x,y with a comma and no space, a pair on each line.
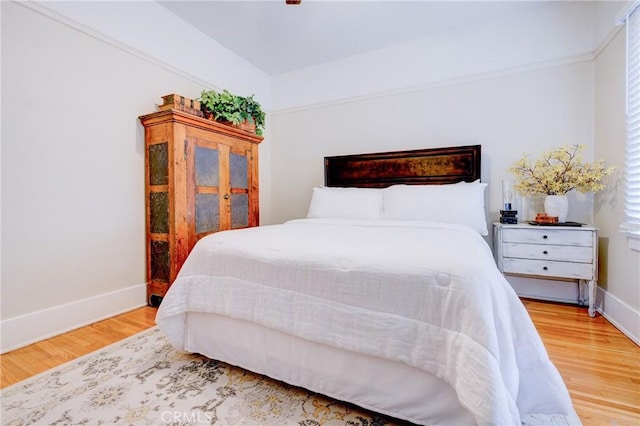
454,203
348,203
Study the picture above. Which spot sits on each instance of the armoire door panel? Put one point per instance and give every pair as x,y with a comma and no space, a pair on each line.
207,213
238,171
160,259
239,211
207,165
158,155
159,212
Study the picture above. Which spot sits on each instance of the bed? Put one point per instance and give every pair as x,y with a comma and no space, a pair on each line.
386,296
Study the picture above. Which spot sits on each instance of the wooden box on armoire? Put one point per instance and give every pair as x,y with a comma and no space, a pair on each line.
201,177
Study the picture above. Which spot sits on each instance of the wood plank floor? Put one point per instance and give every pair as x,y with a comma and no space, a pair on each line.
33,359
600,365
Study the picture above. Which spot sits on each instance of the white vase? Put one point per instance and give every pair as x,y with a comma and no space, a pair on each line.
557,205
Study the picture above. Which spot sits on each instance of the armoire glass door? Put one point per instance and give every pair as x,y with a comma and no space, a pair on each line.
207,189
239,183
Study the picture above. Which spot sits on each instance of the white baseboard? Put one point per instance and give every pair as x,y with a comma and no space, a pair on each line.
622,316
26,329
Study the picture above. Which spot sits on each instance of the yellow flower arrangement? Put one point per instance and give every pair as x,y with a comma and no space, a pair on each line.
559,171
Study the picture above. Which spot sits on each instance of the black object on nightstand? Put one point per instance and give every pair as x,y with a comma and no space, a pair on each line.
509,216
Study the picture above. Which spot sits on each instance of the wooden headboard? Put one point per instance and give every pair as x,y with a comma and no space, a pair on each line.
431,166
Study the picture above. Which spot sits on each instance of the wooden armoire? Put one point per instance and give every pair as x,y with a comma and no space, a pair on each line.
201,177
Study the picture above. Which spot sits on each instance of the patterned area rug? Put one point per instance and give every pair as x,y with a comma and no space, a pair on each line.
143,380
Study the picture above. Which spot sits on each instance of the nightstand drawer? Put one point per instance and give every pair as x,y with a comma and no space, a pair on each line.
579,254
582,271
548,236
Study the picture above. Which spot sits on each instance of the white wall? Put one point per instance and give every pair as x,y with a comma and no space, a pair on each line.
515,86
73,233
149,30
558,31
619,265
507,114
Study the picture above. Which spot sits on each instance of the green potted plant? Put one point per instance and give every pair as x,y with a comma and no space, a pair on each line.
240,111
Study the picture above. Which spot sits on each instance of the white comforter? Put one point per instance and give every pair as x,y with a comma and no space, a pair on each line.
426,294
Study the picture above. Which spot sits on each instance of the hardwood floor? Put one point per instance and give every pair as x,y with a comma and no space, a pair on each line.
33,359
600,365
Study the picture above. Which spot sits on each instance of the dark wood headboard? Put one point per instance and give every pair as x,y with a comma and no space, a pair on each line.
431,166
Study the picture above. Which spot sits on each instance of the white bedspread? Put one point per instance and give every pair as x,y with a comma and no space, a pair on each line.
426,294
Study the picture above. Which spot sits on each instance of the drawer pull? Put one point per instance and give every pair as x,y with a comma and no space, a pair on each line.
545,268
544,237
545,252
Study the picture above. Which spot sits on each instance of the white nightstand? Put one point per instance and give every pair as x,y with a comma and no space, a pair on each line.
560,252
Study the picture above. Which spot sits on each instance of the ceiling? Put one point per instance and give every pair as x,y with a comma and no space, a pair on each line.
277,38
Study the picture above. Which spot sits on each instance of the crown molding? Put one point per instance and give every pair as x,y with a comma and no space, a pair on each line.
586,57
75,25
